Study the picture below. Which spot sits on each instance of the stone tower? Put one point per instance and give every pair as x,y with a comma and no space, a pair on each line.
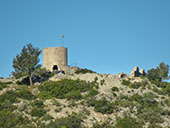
55,58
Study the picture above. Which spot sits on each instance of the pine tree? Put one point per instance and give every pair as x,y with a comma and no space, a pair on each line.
26,63
159,74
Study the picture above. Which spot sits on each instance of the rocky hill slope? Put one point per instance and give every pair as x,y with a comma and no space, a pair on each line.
87,100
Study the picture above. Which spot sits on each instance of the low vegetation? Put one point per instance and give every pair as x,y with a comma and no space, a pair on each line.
103,106
4,84
10,120
128,122
115,89
24,93
8,117
83,71
72,121
137,103
67,89
38,112
134,85
105,124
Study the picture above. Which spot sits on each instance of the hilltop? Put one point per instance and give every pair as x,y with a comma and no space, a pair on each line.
79,99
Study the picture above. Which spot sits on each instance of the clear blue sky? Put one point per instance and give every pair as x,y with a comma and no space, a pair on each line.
107,36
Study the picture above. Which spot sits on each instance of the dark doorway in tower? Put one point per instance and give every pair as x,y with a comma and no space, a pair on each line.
55,68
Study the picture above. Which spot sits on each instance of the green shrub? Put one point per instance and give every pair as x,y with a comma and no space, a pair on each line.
95,79
10,120
149,97
45,95
154,126
10,96
166,89
135,85
66,88
2,85
135,97
7,99
149,109
160,92
114,94
38,103
56,103
58,109
123,97
102,82
151,114
105,124
167,102
7,104
125,82
47,117
103,106
38,112
24,93
9,82
115,89
127,122
73,95
72,121
125,103
93,92
84,71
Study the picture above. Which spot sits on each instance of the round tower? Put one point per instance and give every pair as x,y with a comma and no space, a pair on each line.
55,58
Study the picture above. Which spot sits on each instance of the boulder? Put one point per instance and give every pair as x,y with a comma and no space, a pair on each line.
142,72
135,72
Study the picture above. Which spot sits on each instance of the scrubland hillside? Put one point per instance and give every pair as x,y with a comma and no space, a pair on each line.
85,100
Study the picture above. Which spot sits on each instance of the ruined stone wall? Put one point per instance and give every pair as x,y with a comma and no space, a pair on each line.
55,56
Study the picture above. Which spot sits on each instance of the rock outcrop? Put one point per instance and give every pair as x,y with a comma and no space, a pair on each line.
142,72
136,73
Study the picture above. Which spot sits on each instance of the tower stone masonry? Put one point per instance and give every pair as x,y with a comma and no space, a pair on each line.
55,57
